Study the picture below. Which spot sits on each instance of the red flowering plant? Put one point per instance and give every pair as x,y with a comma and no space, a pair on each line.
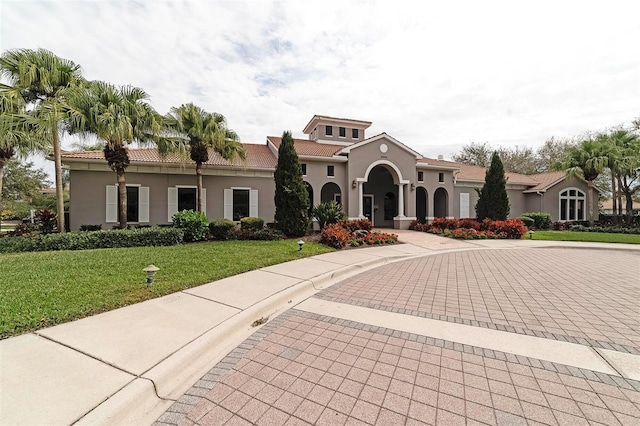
372,238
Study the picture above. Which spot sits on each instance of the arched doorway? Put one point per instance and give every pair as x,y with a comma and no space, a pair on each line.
330,191
422,203
380,196
440,203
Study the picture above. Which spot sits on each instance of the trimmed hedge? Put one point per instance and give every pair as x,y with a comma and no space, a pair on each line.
541,220
93,240
194,224
510,228
252,223
220,229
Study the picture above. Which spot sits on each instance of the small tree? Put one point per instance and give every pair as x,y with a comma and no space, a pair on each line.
493,201
291,197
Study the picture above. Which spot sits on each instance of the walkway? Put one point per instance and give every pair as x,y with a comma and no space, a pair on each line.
434,331
508,337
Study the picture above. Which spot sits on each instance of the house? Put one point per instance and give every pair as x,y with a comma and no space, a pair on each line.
376,177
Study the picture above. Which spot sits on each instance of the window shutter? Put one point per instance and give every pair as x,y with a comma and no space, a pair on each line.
204,200
112,204
464,205
172,203
143,204
228,204
253,203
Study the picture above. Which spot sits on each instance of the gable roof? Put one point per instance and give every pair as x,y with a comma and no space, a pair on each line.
477,174
346,150
258,156
307,147
547,180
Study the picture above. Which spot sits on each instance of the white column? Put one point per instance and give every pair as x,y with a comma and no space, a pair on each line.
401,199
360,212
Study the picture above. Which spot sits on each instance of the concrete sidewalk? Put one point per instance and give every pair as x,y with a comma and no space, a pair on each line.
128,366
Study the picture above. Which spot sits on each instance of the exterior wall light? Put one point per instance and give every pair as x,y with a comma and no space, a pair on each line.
354,184
413,186
300,244
150,271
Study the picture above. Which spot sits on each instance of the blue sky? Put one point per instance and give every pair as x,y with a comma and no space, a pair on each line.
435,75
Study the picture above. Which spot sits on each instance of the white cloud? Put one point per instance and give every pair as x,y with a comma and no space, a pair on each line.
435,75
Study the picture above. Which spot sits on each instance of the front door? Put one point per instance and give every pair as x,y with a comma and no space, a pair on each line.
367,207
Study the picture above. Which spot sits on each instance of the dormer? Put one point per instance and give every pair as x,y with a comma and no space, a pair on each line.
336,131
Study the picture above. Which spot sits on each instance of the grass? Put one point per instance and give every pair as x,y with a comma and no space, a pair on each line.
597,237
42,289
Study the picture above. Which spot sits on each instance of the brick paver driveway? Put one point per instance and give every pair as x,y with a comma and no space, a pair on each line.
308,368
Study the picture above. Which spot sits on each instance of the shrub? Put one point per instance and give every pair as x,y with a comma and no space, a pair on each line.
528,222
469,224
220,229
85,228
541,220
442,223
329,212
561,226
195,225
361,238
334,235
356,225
251,223
267,234
46,220
93,240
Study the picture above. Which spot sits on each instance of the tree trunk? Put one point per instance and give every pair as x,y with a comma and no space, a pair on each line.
619,195
590,184
614,198
57,158
199,190
2,163
122,190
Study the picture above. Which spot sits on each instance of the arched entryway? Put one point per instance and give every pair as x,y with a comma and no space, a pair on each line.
380,196
441,203
331,191
422,203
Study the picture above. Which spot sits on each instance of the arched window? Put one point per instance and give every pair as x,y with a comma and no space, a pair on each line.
572,205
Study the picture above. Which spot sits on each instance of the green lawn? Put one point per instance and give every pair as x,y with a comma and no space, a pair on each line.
45,288
598,237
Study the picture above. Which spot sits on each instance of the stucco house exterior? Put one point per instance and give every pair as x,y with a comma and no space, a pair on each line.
377,177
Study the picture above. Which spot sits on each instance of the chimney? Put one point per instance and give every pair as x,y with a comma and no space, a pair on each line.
440,157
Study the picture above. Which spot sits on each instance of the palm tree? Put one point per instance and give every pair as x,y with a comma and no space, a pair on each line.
42,78
16,137
203,130
118,116
626,165
588,160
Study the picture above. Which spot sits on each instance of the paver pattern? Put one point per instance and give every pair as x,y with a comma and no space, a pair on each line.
308,369
566,292
305,368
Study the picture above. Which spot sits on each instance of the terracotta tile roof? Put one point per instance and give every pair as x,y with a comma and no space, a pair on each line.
477,173
434,162
258,156
307,147
546,180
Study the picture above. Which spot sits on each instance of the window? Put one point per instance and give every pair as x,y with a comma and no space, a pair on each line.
354,133
441,177
420,176
331,171
184,198
572,205
187,199
240,203
342,132
328,130
137,204
304,169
